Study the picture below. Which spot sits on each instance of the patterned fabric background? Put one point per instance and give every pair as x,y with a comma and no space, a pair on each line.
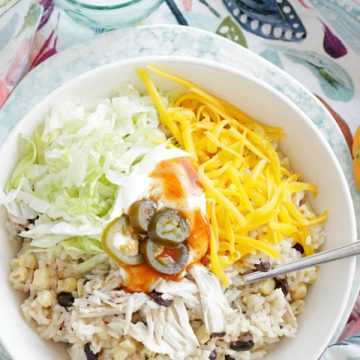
316,41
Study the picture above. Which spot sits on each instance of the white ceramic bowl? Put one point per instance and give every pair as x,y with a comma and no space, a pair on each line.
308,153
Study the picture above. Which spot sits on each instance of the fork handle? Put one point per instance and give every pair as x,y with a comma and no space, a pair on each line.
303,263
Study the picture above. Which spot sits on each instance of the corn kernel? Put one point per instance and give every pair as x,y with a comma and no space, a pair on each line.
104,334
312,276
14,263
202,335
119,354
299,292
124,349
80,287
129,345
28,260
148,353
267,286
41,279
19,275
297,306
45,298
67,285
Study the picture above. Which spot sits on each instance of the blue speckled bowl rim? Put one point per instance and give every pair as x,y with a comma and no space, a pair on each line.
185,41
103,7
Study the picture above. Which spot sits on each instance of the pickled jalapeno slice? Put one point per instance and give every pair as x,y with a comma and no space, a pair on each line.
168,265
140,213
168,228
117,231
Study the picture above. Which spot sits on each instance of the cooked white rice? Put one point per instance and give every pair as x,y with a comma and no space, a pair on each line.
117,324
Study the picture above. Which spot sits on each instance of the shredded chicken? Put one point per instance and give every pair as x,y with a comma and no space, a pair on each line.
289,316
168,330
112,303
77,352
216,309
185,289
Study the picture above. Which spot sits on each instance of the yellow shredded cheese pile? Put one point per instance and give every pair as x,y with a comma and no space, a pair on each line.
249,191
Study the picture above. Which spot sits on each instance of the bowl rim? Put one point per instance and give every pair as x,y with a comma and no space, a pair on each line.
106,7
212,64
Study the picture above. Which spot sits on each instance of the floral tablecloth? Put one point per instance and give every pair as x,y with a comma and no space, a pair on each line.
316,41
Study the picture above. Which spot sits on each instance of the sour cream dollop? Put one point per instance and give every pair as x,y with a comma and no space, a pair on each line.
170,178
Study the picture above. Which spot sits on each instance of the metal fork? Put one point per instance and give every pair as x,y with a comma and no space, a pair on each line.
316,259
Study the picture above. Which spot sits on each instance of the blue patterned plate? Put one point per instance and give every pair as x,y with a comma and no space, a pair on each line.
176,40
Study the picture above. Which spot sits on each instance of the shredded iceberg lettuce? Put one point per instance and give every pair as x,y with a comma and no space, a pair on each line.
87,265
75,164
25,163
79,245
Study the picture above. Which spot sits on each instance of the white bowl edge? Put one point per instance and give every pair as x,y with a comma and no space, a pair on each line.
170,59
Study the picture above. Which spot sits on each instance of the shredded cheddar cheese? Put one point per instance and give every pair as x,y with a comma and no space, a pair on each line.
250,191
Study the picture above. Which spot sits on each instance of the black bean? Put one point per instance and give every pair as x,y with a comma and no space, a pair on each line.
219,334
212,355
244,343
263,266
299,248
228,357
65,299
89,354
157,297
283,285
